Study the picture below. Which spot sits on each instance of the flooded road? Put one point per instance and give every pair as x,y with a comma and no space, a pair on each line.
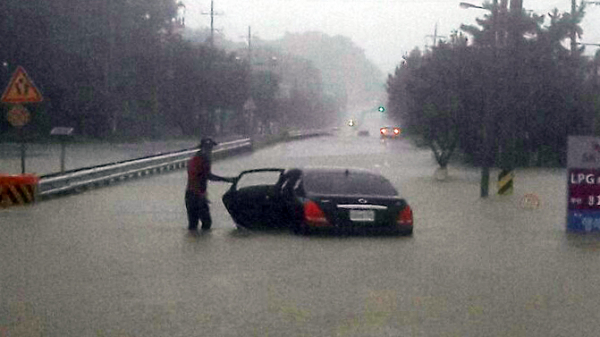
118,261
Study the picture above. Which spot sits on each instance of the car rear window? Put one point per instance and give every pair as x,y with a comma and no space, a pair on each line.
354,183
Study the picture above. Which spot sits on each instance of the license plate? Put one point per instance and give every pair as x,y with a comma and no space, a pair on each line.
362,215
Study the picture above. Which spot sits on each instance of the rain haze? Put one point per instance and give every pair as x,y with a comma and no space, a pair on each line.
386,30
158,180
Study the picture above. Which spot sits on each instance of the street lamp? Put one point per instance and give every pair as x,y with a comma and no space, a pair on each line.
485,165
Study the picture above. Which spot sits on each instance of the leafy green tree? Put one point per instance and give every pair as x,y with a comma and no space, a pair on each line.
516,83
427,94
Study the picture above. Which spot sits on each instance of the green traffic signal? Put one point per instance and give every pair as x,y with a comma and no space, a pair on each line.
381,109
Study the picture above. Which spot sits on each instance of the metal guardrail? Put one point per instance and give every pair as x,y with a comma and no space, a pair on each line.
306,133
85,178
91,177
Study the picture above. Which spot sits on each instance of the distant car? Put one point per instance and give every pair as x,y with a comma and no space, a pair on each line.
390,132
363,133
307,199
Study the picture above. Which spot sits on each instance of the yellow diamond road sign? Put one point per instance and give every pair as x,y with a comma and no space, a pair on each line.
21,89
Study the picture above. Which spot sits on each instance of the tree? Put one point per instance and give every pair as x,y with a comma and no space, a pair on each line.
426,95
516,83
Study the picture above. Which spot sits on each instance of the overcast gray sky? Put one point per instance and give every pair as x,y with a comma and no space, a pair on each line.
385,29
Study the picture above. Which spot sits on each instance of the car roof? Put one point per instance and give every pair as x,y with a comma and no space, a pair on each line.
333,169
346,181
356,171
317,169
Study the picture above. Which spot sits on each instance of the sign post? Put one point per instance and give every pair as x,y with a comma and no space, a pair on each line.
20,89
249,108
18,116
62,133
583,170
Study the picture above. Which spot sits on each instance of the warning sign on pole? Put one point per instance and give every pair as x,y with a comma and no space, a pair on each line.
21,89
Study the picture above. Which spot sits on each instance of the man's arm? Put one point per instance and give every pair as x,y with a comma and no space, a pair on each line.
214,177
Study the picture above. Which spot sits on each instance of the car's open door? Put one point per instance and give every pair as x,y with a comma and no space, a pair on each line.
252,201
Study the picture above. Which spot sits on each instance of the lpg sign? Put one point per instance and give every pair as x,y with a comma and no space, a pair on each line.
582,178
583,164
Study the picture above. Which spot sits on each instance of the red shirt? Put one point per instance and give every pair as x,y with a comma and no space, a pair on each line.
198,172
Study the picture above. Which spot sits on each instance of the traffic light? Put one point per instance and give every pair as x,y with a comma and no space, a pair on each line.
381,109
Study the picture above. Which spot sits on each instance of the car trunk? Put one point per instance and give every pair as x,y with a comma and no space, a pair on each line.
354,211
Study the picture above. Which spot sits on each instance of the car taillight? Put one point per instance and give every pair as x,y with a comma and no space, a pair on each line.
383,131
405,217
396,130
313,215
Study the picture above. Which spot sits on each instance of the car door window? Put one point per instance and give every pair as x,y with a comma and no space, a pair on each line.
265,178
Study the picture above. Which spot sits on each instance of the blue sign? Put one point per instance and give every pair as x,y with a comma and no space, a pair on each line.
583,221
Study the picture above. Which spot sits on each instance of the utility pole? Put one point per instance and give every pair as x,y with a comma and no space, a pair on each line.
110,106
212,20
573,33
488,118
508,131
434,36
251,106
250,47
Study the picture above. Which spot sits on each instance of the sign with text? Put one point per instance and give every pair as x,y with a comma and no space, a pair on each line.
583,184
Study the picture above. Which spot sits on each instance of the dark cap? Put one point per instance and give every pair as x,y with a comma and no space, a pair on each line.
207,142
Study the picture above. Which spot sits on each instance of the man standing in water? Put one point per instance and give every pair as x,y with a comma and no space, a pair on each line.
196,200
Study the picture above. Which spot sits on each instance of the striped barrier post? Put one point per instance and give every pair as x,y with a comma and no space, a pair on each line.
17,190
505,182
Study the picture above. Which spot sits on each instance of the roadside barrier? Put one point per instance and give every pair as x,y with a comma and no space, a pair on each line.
17,189
101,175
306,133
82,179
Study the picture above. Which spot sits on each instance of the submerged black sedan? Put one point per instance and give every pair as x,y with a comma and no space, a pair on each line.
306,199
